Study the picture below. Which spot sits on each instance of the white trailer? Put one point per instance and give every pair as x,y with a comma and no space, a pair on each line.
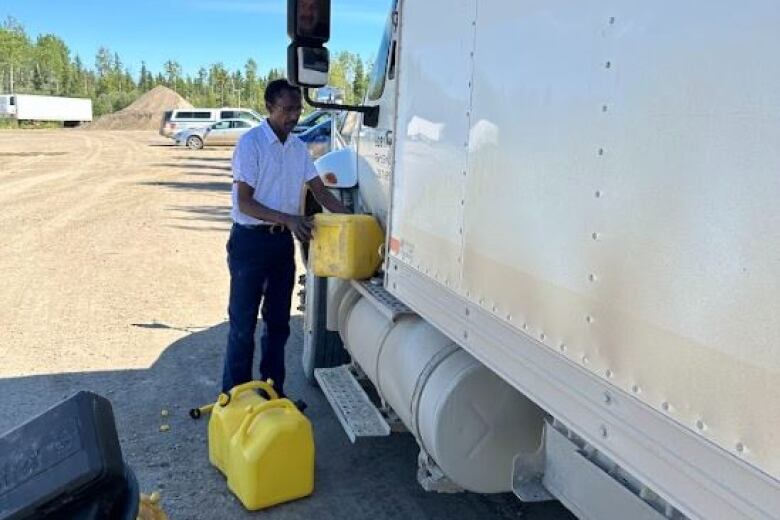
26,107
580,295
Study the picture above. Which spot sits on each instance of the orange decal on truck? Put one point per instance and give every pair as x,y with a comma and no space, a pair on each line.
395,245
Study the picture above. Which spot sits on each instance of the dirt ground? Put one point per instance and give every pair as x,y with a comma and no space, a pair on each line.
113,276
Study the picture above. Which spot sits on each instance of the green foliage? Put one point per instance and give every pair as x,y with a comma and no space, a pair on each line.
13,124
349,73
359,81
108,102
145,79
45,66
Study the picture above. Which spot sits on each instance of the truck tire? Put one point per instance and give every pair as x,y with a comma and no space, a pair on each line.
322,348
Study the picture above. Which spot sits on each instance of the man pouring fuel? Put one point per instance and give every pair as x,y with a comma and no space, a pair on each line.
271,167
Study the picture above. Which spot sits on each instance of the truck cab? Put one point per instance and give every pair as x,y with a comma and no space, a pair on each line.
7,105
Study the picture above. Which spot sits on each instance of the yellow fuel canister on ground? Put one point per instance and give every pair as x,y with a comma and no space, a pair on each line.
346,246
271,456
227,415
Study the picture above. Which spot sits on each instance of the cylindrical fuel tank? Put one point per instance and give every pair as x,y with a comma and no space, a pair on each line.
464,416
366,329
473,424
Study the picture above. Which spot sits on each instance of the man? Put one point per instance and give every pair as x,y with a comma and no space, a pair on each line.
270,169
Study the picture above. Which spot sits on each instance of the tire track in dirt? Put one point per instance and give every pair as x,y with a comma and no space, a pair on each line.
13,184
77,187
86,254
69,195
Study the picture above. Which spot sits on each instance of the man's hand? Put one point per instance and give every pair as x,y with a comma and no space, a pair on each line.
325,197
301,227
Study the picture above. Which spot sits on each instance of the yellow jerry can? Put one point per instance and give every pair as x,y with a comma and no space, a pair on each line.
346,246
271,456
226,417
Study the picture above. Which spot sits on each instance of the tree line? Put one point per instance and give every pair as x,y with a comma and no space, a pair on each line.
45,66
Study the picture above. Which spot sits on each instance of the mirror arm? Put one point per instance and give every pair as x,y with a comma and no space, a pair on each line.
370,114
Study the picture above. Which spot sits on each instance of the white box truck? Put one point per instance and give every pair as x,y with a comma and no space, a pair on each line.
580,293
27,107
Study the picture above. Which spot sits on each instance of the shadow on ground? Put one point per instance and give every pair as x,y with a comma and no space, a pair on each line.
192,218
225,160
192,186
195,169
195,166
219,214
31,154
374,479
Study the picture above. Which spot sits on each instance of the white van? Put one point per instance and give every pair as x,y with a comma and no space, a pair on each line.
174,121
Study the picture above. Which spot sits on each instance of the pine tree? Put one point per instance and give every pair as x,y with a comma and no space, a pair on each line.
250,83
79,85
218,77
201,82
145,78
359,82
103,70
172,73
117,78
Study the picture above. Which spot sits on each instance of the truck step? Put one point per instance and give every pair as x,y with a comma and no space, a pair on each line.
357,414
386,303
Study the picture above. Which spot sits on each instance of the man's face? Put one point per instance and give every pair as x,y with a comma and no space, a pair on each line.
285,111
308,15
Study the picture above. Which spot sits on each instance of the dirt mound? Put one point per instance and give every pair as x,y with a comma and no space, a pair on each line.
144,113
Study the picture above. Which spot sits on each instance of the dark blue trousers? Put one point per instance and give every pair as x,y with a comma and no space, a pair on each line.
262,269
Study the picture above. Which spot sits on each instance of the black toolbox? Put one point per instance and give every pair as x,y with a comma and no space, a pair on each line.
67,464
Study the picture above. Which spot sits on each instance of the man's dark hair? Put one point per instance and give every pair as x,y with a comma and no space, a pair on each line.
278,87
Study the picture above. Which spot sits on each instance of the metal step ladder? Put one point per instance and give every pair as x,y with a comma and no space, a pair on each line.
373,291
355,411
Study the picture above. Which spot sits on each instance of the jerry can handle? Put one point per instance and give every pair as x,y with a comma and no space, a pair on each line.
252,385
243,430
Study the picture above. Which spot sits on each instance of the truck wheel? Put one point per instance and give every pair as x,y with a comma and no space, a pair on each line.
322,348
194,142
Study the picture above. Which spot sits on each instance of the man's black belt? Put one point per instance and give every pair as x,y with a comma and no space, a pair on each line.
270,229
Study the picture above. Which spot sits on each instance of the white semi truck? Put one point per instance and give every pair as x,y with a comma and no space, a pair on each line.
579,297
27,107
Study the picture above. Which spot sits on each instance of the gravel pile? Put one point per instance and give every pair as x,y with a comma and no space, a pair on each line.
145,113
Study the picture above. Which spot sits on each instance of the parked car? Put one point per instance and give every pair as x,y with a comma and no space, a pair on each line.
313,119
226,132
318,138
175,121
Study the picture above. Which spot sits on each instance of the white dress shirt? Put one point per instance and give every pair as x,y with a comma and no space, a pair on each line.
276,171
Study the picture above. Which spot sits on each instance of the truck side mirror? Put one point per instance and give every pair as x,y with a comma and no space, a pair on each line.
308,62
307,66
308,25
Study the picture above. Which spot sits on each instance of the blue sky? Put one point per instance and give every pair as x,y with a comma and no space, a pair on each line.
193,32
